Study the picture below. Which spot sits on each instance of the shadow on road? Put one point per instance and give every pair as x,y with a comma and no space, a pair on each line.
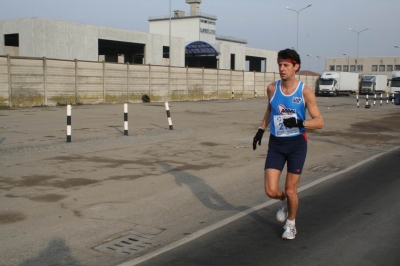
56,253
211,198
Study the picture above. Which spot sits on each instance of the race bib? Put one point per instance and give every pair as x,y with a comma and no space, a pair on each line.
281,130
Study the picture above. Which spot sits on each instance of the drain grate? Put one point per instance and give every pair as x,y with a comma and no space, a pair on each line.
128,244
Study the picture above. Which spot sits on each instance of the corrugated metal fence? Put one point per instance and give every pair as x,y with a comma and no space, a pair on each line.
28,81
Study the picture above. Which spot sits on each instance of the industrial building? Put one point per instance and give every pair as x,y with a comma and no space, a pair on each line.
383,65
179,40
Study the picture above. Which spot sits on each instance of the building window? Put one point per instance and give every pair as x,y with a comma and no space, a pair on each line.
381,68
352,68
332,68
397,67
360,68
338,68
389,68
345,68
374,68
165,51
11,40
232,62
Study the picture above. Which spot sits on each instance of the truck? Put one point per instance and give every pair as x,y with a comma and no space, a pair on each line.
395,84
335,83
371,84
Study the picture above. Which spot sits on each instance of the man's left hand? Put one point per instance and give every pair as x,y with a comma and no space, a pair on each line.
293,122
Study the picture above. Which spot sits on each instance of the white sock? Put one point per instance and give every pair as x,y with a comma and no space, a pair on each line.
291,222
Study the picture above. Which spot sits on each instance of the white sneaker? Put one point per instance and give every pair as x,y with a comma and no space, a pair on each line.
290,231
282,213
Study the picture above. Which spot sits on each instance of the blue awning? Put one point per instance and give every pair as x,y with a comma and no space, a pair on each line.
200,48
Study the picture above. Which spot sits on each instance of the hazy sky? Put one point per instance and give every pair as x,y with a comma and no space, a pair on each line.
265,24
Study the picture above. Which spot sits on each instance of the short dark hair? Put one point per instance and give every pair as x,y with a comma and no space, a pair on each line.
290,53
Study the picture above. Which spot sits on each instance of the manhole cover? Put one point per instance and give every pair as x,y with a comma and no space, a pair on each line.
128,244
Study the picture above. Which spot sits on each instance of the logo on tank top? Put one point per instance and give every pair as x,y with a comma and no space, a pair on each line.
285,111
296,100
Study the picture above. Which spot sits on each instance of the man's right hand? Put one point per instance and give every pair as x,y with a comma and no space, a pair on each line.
257,138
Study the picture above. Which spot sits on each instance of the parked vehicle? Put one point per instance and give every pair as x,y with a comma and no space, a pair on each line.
371,84
335,83
395,84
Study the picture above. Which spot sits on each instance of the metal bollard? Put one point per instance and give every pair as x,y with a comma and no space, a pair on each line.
125,119
169,116
358,104
69,120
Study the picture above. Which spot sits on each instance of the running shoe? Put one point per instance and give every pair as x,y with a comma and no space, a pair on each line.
282,213
290,231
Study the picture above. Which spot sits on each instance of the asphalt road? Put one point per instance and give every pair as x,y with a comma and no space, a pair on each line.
108,199
348,220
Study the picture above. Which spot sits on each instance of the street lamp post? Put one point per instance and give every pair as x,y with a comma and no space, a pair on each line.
318,57
297,45
358,36
348,66
309,62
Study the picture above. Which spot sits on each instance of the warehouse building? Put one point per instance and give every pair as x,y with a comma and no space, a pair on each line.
191,41
383,65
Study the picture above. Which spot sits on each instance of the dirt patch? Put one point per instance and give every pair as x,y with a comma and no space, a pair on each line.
210,144
45,181
40,198
9,217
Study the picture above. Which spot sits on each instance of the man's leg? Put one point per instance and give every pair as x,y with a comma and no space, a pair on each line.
271,180
292,181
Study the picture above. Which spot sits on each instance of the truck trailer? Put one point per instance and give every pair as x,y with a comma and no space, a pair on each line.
395,84
371,84
335,83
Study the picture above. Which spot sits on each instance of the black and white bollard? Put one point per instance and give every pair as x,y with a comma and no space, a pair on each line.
69,130
366,101
233,94
374,98
358,104
387,98
125,119
392,98
169,116
381,99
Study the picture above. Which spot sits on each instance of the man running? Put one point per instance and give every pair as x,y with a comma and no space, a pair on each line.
286,114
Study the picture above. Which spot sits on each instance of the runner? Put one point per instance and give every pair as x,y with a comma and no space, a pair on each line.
286,115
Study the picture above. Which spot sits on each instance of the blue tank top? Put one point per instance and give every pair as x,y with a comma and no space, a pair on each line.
284,106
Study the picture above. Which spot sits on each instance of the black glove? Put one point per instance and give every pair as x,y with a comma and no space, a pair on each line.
293,122
258,138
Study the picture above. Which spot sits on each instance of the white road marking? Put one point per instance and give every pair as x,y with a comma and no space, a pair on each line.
241,214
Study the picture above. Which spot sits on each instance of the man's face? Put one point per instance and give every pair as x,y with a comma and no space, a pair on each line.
287,70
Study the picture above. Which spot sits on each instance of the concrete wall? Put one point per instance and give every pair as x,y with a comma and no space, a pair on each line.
26,81
189,30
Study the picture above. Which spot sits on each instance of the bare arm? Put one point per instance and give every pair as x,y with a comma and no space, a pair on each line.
270,92
316,121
